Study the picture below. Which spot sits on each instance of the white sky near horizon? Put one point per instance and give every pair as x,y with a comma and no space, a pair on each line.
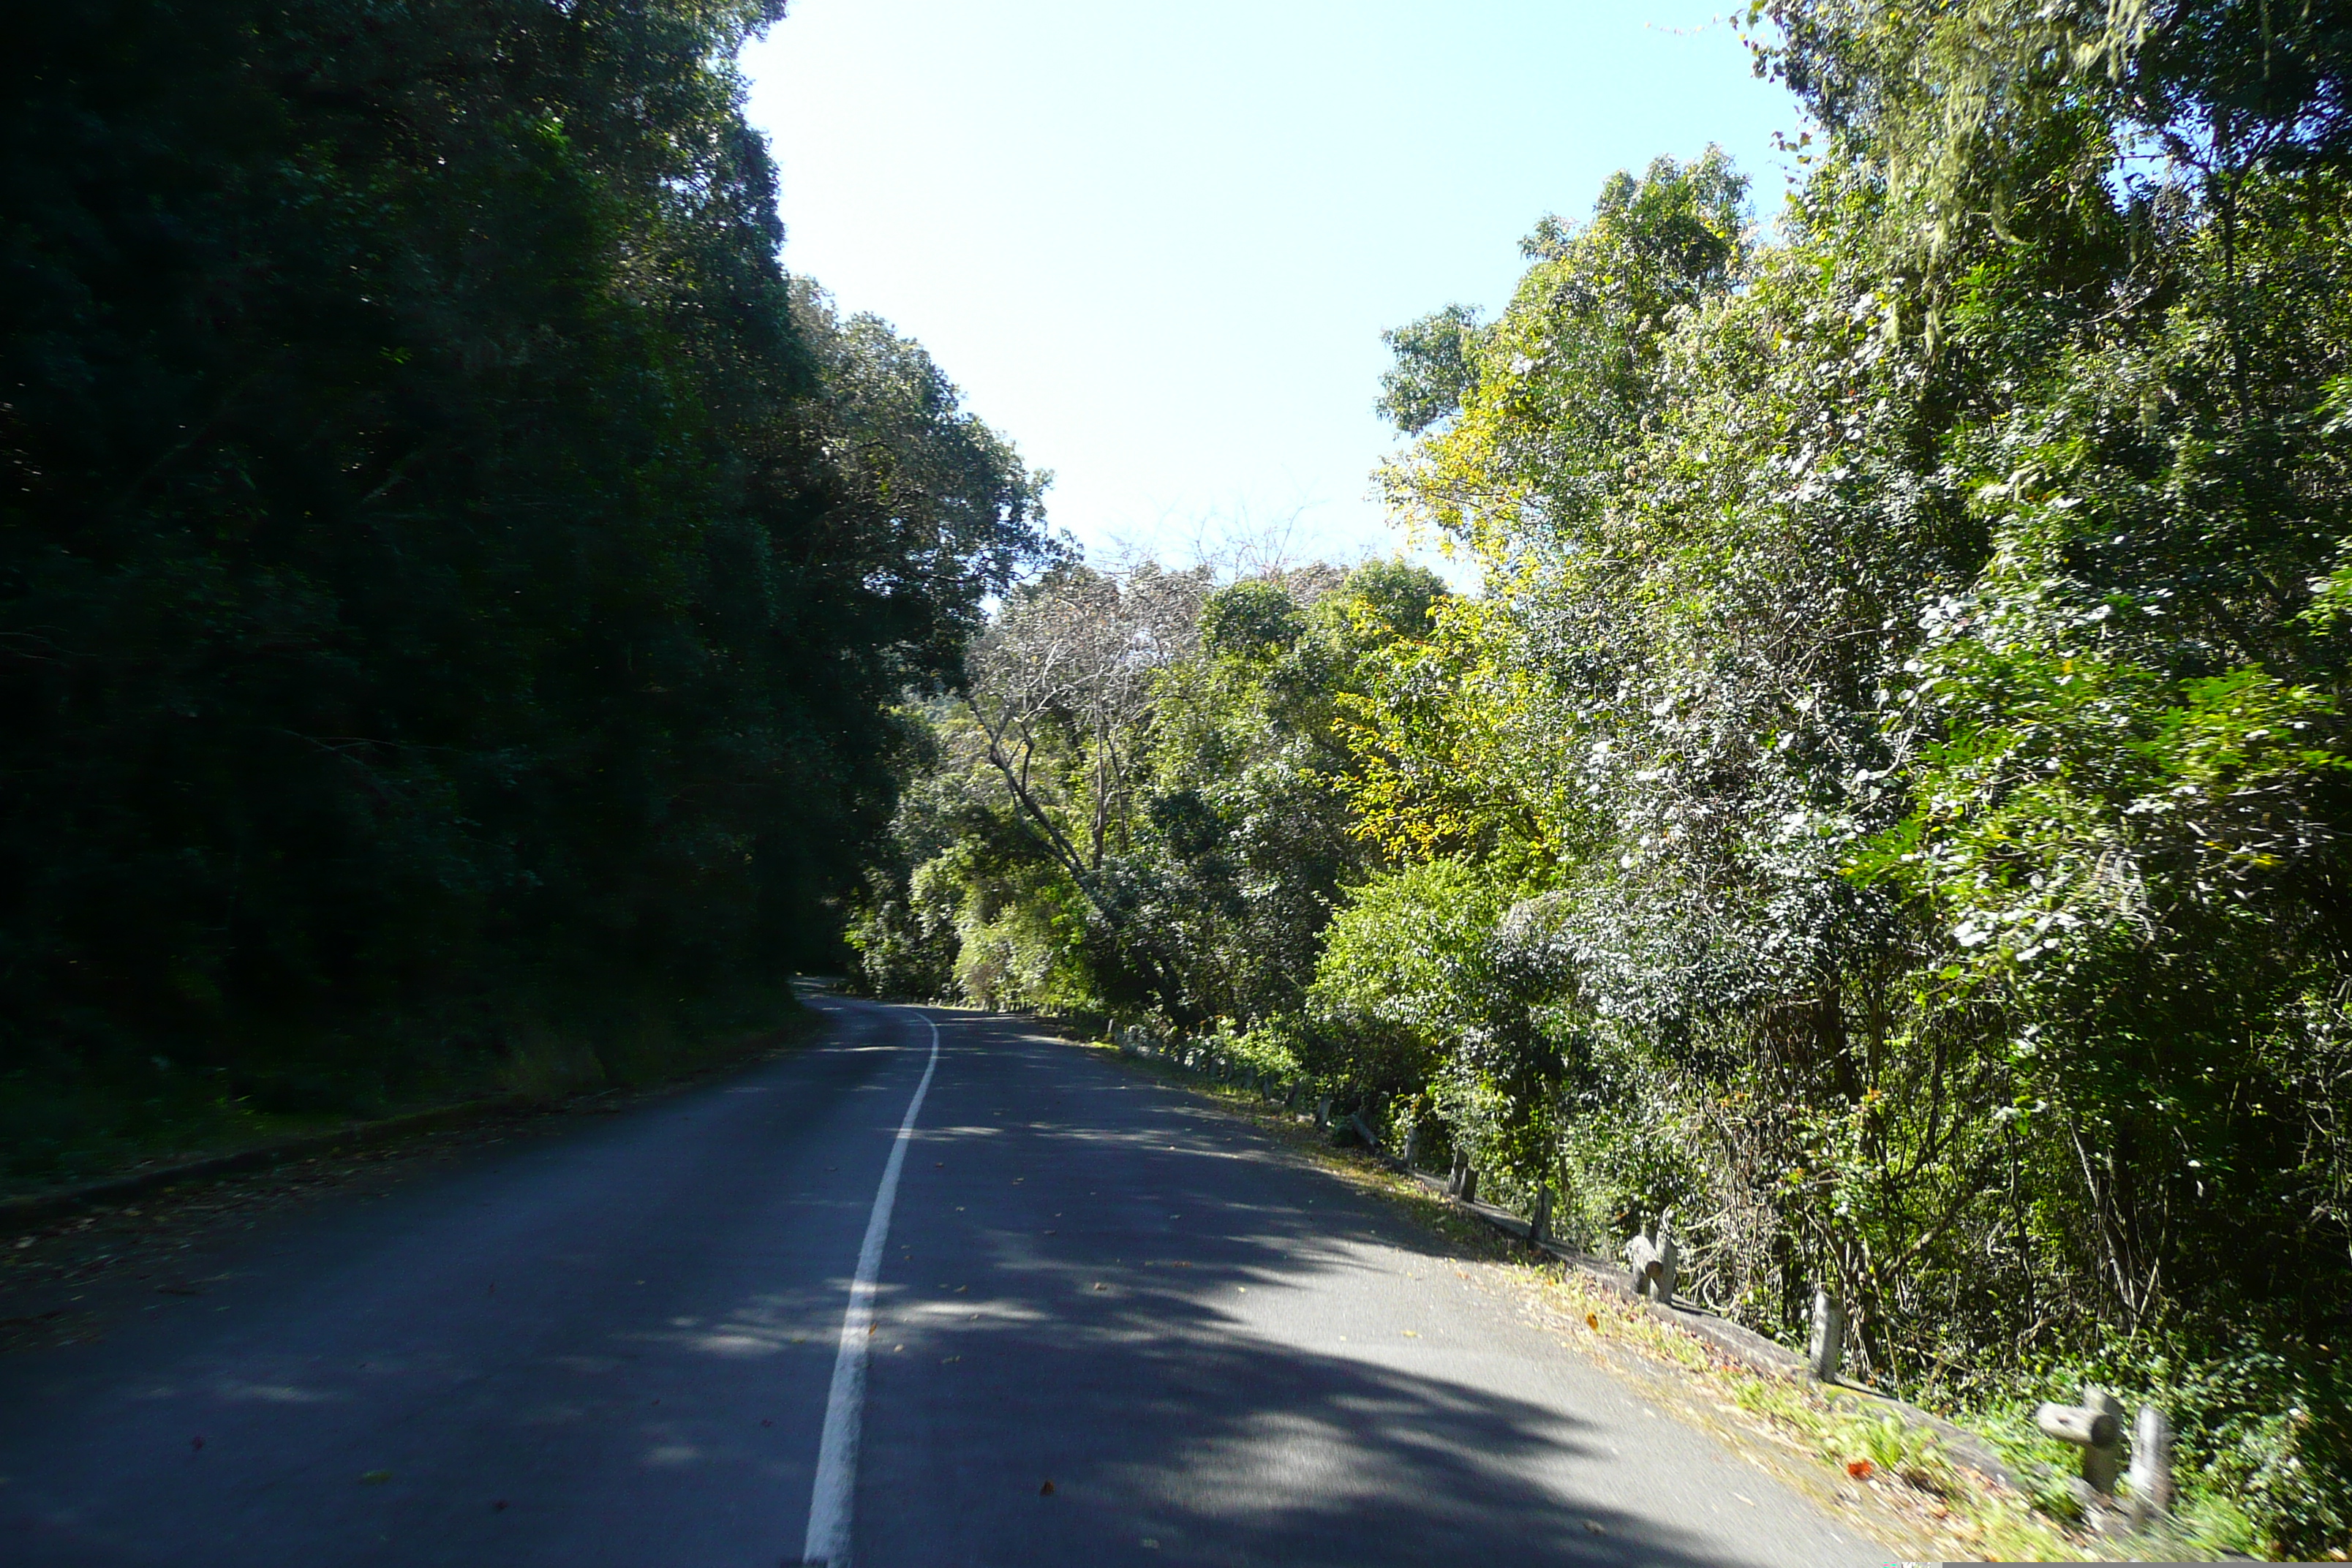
1156,245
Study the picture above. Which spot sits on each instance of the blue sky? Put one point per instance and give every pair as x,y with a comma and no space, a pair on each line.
1155,245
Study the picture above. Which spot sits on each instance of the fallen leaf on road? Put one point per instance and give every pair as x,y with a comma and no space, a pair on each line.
1045,1490
1100,1286
375,1478
1859,1468
1411,1334
1592,1320
1594,1525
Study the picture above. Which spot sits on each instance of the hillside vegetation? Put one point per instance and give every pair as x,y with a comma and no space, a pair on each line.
1887,802
452,583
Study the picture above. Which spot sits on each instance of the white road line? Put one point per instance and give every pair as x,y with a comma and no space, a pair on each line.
832,1499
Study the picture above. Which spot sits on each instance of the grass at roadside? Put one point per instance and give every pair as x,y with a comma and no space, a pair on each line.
60,1134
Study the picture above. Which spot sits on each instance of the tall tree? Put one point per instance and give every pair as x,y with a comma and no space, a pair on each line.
444,583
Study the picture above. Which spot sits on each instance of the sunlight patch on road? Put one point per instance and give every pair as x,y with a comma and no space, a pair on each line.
552,1414
277,1394
1279,1458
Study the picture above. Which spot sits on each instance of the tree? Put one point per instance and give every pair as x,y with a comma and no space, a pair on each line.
1903,720
449,596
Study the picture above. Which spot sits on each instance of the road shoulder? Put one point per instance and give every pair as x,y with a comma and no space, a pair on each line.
75,1262
1896,1487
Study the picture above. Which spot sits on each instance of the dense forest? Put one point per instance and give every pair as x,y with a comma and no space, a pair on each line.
1885,802
453,585
469,619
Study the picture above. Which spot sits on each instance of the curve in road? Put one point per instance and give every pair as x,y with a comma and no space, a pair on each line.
1096,1319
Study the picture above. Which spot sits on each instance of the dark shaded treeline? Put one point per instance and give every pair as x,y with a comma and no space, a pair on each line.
450,580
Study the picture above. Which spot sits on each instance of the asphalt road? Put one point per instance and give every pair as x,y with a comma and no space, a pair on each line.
620,1344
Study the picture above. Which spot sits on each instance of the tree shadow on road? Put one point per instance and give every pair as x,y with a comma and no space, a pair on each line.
1096,1338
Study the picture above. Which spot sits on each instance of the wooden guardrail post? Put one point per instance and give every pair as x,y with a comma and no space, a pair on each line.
1464,1181
2101,1467
2150,1476
2095,1426
1826,1346
1655,1260
1642,1258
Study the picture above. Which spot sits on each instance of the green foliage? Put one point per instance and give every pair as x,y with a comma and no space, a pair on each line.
450,583
1436,359
1139,813
1253,620
1904,716
1407,972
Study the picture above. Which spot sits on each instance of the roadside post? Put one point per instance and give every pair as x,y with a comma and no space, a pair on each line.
2150,1478
2095,1426
1655,1258
1826,1346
